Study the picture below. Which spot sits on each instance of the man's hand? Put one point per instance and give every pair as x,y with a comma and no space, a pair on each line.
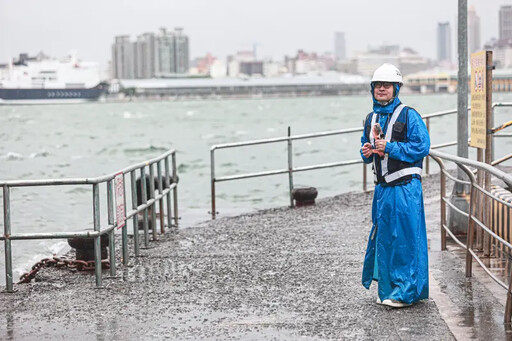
367,150
380,145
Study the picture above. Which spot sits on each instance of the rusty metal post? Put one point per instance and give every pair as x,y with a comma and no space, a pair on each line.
290,166
161,201
111,238
97,228
136,215
488,147
152,196
7,241
480,198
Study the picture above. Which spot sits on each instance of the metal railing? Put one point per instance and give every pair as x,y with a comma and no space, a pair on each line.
477,215
290,170
165,182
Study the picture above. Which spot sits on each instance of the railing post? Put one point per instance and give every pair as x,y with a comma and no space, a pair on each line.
136,215
152,196
443,207
111,237
365,177
290,166
144,201
471,231
161,201
7,241
175,191
427,159
488,147
168,199
97,239
212,181
125,228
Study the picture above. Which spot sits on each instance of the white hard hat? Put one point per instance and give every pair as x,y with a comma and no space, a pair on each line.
387,73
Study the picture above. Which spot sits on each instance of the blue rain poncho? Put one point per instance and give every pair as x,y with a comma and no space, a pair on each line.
397,254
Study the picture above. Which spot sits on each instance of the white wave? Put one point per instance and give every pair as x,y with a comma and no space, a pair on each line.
190,113
39,154
12,156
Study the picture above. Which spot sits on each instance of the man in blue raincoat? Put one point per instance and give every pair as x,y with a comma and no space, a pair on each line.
396,140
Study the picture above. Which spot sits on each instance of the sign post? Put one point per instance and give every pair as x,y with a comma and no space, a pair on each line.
478,100
120,202
481,123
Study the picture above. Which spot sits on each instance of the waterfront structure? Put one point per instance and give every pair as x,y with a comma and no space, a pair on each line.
152,55
505,23
339,46
473,31
444,43
327,85
439,81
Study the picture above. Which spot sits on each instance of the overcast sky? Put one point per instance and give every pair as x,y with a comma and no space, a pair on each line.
222,27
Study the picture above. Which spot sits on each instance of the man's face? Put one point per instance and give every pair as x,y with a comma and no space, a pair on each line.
383,91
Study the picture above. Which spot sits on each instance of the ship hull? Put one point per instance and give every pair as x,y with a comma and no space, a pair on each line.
50,96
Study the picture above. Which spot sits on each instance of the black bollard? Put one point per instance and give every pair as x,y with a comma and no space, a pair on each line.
304,196
85,247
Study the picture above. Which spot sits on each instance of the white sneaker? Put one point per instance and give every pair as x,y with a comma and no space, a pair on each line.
378,301
395,304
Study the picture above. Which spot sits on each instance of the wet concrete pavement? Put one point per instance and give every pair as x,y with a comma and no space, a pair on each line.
279,274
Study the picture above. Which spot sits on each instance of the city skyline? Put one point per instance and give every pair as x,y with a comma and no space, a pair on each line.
222,28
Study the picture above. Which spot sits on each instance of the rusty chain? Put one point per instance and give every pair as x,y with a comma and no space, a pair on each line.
60,262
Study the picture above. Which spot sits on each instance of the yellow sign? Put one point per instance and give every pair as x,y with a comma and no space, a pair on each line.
478,102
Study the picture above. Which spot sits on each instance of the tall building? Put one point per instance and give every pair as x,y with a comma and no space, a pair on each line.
165,53
181,51
444,43
123,58
339,46
145,56
505,22
473,31
151,55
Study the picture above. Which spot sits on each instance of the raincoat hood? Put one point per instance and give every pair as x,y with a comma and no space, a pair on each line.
388,108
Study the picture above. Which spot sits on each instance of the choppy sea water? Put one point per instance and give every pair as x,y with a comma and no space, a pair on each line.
88,140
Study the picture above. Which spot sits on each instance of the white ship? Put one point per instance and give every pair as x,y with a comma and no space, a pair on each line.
44,80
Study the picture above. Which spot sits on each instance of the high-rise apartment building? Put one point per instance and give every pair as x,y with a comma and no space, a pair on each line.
505,22
123,58
473,31
444,43
145,56
165,53
181,51
339,46
151,55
